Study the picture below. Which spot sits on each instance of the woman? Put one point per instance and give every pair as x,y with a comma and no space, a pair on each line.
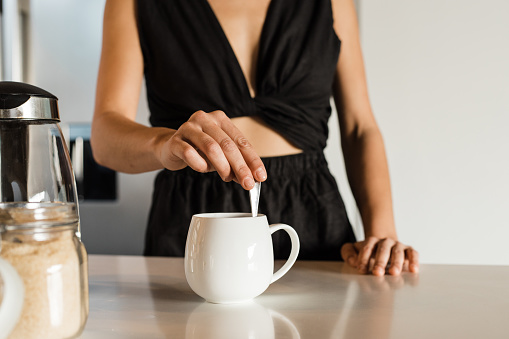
232,82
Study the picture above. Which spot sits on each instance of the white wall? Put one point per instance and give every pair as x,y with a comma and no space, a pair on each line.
438,75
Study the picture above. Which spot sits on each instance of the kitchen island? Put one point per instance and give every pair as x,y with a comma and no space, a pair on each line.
141,297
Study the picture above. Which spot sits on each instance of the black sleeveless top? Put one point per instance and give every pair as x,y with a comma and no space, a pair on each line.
189,65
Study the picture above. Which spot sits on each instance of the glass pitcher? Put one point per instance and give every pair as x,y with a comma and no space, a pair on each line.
39,219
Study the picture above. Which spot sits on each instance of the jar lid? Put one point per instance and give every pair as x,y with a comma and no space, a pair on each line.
20,101
29,215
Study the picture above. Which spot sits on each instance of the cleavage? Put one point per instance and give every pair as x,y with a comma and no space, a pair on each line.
242,23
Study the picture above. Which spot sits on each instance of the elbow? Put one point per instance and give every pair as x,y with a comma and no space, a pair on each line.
97,153
98,146
360,136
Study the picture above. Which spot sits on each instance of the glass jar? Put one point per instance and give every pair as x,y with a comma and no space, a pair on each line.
42,242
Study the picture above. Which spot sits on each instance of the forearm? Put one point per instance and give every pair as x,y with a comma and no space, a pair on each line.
368,174
126,146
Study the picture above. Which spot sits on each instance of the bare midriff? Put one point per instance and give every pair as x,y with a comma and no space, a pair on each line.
266,141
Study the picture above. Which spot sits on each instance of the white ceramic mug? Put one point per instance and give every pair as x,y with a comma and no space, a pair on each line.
229,256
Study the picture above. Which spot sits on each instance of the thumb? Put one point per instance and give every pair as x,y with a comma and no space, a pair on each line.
349,254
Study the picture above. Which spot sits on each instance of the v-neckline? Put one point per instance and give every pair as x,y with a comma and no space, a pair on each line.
229,46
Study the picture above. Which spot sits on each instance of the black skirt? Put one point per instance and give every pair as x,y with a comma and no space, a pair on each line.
299,191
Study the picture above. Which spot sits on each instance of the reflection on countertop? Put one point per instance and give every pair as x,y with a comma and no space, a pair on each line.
138,297
245,320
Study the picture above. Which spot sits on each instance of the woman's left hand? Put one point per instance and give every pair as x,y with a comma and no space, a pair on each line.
375,255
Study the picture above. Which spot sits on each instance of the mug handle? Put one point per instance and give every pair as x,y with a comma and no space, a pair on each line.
13,297
294,252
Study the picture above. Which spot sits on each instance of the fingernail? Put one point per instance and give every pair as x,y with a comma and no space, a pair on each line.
249,183
378,270
261,174
351,261
414,268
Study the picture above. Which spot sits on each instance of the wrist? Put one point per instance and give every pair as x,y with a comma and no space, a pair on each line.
161,136
381,231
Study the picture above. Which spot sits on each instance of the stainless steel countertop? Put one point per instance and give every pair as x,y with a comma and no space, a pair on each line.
139,297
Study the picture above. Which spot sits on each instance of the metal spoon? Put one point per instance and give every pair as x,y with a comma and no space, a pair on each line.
254,196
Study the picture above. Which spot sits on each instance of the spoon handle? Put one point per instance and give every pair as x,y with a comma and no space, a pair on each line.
254,196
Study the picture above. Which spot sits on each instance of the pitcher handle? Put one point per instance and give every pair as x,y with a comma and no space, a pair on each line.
294,252
13,296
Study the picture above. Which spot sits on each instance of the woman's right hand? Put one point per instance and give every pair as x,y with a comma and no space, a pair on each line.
211,142
206,142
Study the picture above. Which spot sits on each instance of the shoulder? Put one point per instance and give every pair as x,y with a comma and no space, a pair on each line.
119,10
344,16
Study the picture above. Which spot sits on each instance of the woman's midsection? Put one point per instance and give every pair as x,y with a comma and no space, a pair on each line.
266,141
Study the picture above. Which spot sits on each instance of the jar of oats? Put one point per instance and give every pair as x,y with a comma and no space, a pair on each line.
42,242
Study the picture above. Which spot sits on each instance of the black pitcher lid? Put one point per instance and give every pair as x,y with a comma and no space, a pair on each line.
13,102
21,88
